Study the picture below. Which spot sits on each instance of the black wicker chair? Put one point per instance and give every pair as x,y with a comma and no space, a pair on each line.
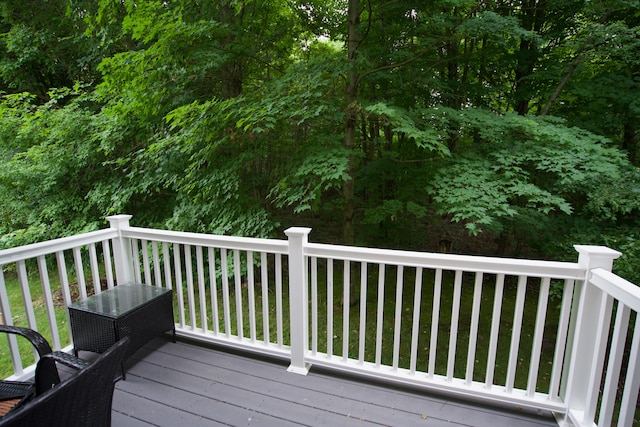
82,400
22,390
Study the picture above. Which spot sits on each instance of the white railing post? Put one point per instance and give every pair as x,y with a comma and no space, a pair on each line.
122,249
589,302
298,299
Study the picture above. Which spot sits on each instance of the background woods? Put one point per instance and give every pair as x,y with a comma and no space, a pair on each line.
474,127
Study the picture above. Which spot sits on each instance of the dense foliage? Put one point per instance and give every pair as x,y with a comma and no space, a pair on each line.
477,127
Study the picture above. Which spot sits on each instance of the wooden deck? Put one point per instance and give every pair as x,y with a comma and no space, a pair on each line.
183,384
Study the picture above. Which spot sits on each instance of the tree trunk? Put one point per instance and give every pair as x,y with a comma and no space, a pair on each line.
351,97
232,72
533,16
630,141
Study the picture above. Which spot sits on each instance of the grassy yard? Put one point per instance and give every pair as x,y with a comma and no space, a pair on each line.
20,319
445,320
331,299
336,306
371,302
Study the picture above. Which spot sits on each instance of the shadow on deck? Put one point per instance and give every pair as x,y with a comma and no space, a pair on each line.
186,384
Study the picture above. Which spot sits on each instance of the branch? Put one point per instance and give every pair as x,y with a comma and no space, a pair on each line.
574,66
366,33
556,93
392,66
415,160
416,56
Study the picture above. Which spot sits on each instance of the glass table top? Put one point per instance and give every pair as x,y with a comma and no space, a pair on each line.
120,299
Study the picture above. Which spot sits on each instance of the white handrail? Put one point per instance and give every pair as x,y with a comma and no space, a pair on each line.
509,266
199,239
617,287
21,253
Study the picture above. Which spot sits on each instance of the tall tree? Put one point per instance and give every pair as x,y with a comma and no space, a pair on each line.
389,123
351,114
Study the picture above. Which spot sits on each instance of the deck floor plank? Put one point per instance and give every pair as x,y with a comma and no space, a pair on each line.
183,384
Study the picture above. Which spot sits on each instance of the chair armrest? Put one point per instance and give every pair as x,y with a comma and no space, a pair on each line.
47,375
37,340
67,359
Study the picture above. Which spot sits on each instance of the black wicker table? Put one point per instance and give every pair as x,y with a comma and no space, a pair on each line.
140,312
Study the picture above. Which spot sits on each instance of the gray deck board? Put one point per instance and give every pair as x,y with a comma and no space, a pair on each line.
183,384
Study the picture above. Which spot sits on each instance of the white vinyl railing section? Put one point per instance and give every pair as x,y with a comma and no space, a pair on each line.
547,335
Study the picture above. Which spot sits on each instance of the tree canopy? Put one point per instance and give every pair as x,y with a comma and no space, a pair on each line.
493,127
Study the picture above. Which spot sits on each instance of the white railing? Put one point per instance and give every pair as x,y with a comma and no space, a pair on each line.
418,311
221,284
479,327
603,377
40,257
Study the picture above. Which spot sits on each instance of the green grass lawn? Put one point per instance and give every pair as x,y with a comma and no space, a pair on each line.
389,302
19,318
356,303
445,319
